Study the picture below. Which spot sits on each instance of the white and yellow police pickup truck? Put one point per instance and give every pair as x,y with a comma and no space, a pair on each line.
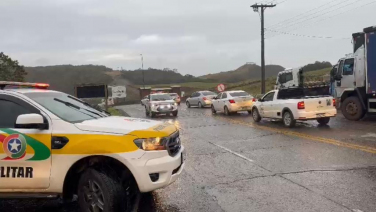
55,145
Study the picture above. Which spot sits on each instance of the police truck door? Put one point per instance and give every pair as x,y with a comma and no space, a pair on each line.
25,150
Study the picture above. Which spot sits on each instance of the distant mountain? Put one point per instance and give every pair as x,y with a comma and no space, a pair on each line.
244,72
156,76
65,77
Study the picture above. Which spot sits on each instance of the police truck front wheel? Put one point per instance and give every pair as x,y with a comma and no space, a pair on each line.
175,113
98,191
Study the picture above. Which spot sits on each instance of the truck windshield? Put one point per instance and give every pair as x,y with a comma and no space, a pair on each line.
66,107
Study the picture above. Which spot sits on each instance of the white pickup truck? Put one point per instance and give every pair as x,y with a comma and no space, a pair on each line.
290,105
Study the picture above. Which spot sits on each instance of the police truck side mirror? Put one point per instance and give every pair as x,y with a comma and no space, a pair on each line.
31,121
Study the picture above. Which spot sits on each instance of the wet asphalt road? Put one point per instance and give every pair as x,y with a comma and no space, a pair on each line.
234,164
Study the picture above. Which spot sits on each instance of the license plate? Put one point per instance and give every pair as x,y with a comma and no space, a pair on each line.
320,115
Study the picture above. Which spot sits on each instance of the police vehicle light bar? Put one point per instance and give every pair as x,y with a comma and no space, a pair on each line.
7,84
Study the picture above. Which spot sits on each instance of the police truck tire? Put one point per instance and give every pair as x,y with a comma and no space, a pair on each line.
288,119
352,109
323,121
98,190
175,113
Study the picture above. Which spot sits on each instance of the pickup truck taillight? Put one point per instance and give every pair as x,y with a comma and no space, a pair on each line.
301,105
204,98
231,101
334,102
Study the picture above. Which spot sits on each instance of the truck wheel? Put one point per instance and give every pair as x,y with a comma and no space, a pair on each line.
188,105
288,119
100,192
200,105
175,113
323,121
352,109
256,116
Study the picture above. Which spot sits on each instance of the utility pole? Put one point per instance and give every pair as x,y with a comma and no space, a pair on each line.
255,8
142,68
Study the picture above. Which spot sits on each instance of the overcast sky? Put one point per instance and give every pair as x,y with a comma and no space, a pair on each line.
195,36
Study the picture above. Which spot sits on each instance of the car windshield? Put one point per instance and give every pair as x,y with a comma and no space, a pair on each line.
173,94
238,94
209,93
66,107
160,97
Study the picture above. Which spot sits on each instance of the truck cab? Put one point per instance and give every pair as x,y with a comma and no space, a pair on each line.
355,78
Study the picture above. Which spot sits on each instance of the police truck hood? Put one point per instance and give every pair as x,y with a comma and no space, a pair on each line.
117,124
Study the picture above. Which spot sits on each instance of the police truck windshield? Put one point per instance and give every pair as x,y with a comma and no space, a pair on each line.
65,107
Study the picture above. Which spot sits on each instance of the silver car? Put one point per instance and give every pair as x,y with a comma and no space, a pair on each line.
200,99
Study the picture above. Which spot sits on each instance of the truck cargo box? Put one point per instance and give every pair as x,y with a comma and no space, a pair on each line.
371,58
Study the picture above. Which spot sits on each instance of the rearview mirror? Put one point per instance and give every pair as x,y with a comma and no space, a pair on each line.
31,121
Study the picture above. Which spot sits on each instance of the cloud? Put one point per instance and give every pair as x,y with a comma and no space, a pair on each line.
196,37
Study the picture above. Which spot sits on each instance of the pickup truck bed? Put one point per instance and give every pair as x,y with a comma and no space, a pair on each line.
319,108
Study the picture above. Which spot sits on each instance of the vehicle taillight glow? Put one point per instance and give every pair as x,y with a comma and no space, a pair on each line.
231,101
204,98
42,85
254,100
334,102
301,105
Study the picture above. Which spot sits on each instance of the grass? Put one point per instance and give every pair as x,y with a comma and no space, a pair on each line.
114,112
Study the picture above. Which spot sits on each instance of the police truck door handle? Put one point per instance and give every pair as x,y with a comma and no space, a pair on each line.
58,142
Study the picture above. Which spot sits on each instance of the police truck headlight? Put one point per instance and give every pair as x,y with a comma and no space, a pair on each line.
150,144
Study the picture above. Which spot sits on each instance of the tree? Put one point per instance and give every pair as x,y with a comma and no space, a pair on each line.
10,70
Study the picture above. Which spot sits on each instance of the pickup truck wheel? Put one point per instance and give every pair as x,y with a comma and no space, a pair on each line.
352,109
200,105
98,191
288,119
256,116
323,121
188,104
227,112
213,110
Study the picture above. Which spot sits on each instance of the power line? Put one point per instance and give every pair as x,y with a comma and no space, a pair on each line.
310,18
307,36
304,13
325,18
281,2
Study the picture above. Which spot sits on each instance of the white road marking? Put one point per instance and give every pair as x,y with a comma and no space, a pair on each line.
356,210
232,152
